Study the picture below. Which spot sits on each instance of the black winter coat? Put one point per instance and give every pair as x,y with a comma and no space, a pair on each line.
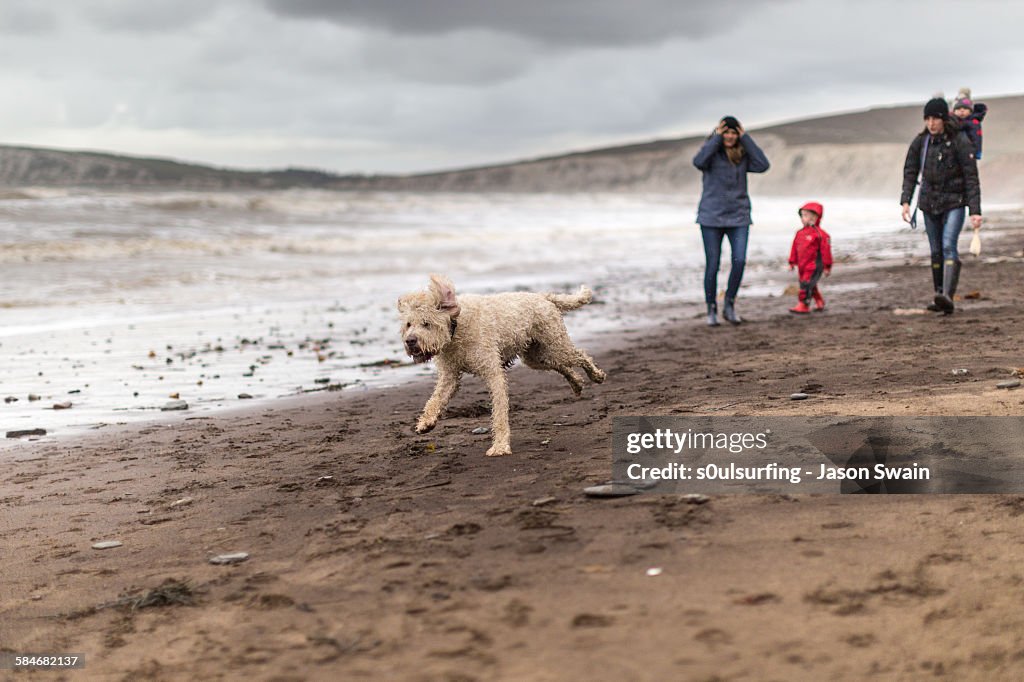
950,177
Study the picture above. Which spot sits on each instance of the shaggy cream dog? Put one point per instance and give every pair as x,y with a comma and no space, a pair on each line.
483,335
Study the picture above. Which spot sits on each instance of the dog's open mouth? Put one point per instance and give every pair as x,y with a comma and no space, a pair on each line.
422,356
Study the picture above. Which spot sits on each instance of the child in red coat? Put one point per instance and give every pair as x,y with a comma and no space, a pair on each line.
812,256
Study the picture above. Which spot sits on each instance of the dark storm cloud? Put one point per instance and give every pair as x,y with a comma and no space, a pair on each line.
391,86
559,23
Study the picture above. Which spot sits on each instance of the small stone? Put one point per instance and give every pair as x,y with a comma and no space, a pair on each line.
62,406
182,502
32,397
236,558
174,405
543,501
26,432
960,372
696,498
610,490
107,544
1011,383
244,396
799,396
651,572
10,399
480,430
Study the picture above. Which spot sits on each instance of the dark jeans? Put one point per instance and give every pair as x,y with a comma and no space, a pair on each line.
713,255
943,230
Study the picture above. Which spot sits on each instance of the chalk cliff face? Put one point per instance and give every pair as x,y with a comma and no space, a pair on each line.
855,154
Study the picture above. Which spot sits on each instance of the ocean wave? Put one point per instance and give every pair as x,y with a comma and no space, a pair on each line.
33,193
16,195
97,248
286,202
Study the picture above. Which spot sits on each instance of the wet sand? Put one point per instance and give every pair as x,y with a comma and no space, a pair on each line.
376,553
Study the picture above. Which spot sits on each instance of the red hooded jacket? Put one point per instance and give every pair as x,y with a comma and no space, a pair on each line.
810,242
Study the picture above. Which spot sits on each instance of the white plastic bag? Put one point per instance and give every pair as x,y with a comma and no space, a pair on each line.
976,244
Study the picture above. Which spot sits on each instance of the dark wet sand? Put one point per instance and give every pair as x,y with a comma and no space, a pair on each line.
379,554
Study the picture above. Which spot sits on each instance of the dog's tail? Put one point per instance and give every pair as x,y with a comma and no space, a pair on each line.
565,302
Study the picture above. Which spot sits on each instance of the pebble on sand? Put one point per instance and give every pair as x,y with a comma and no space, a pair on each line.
960,372
62,406
26,432
174,405
1011,383
480,430
799,396
244,396
236,558
107,544
610,490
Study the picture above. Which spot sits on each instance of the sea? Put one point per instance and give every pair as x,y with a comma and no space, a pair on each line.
115,305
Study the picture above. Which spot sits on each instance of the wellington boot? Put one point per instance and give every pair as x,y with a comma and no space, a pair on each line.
713,315
729,312
800,309
950,279
819,301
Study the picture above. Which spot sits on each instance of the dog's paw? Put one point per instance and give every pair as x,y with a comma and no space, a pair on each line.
600,376
424,427
499,451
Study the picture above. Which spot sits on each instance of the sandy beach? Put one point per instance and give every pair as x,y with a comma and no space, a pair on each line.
379,554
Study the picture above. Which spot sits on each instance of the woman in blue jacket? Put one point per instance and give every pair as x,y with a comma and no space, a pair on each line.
724,211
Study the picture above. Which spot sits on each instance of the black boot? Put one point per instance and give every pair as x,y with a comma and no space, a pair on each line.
712,314
937,284
950,278
729,312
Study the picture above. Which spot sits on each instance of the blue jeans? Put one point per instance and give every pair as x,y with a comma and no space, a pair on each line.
943,230
713,255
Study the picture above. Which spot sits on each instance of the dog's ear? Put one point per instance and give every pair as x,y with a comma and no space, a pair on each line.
444,293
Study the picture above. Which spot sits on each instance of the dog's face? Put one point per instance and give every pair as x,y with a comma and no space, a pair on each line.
427,319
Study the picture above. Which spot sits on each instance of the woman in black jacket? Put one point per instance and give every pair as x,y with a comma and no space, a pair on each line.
949,184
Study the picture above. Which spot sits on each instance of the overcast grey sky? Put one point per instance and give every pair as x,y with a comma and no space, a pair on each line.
413,85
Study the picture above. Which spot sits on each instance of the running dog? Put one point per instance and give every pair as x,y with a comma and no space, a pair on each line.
483,335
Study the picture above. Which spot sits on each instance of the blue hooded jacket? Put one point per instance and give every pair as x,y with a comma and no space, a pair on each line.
724,201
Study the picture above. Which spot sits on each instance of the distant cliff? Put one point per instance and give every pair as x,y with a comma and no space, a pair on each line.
29,166
852,154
